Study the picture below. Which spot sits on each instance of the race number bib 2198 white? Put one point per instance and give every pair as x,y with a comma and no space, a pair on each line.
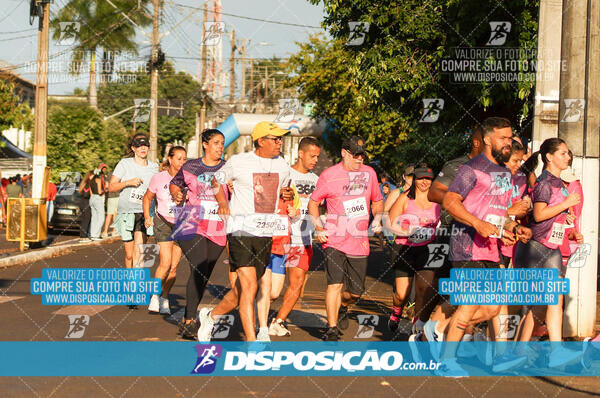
558,233
136,195
173,209
356,208
498,222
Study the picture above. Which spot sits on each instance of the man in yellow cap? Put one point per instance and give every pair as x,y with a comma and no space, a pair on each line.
259,177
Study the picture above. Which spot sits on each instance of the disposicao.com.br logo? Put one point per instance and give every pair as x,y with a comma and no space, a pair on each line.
312,359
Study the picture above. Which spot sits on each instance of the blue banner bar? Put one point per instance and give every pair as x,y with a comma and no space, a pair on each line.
292,359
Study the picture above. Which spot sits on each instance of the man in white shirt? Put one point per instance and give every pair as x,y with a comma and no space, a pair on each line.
258,178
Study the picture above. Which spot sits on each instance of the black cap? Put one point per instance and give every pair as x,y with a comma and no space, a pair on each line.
354,145
423,172
140,141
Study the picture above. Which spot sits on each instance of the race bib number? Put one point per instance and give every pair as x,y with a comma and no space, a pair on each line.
210,210
557,234
173,209
281,229
136,195
356,208
266,224
498,222
421,235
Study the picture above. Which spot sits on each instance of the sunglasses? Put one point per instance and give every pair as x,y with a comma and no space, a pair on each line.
274,139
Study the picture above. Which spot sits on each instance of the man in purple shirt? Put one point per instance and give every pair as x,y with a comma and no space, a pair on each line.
478,199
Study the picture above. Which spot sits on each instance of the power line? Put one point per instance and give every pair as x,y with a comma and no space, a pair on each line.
18,31
250,18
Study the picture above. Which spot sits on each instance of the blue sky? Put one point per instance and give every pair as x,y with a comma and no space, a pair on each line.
18,40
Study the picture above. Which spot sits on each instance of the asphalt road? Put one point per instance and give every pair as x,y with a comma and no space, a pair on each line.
24,318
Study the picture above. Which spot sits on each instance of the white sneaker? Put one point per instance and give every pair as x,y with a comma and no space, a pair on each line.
206,324
154,303
278,328
164,306
450,368
417,326
263,335
562,356
484,348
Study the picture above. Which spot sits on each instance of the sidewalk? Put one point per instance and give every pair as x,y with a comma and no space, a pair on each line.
54,245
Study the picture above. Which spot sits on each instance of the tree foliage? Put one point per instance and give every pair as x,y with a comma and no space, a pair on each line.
377,89
79,139
12,112
117,95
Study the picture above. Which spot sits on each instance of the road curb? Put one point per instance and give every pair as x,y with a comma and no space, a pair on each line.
49,252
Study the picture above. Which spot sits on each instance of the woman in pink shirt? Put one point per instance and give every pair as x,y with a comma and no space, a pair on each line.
414,220
163,222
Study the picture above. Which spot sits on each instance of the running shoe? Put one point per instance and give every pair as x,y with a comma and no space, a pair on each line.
278,328
343,321
508,361
164,306
561,356
263,335
586,358
414,347
96,239
466,347
206,324
188,331
393,322
332,334
154,303
434,338
85,240
417,325
484,348
450,368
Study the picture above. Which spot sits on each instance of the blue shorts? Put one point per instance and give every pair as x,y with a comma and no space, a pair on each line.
277,264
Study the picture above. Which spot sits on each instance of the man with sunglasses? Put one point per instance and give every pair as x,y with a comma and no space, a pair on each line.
351,190
259,177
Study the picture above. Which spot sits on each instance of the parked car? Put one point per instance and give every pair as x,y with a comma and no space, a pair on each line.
67,208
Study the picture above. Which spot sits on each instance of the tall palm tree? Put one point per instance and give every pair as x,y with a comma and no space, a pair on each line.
100,26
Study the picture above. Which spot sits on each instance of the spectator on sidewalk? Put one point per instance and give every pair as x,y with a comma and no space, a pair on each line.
14,190
112,203
97,202
50,201
86,212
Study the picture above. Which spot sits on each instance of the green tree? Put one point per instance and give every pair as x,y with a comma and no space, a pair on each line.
12,112
377,89
116,96
100,26
79,139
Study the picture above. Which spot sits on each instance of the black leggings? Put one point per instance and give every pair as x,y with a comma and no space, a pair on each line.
202,254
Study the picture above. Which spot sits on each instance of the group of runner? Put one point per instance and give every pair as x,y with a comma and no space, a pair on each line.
483,210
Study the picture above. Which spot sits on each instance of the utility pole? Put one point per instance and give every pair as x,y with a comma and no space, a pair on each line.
154,85
251,78
232,71
202,65
203,51
266,85
41,104
243,50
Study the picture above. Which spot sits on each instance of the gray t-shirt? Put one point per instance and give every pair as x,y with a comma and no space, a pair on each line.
130,198
256,185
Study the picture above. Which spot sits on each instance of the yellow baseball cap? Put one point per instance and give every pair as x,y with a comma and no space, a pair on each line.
263,129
